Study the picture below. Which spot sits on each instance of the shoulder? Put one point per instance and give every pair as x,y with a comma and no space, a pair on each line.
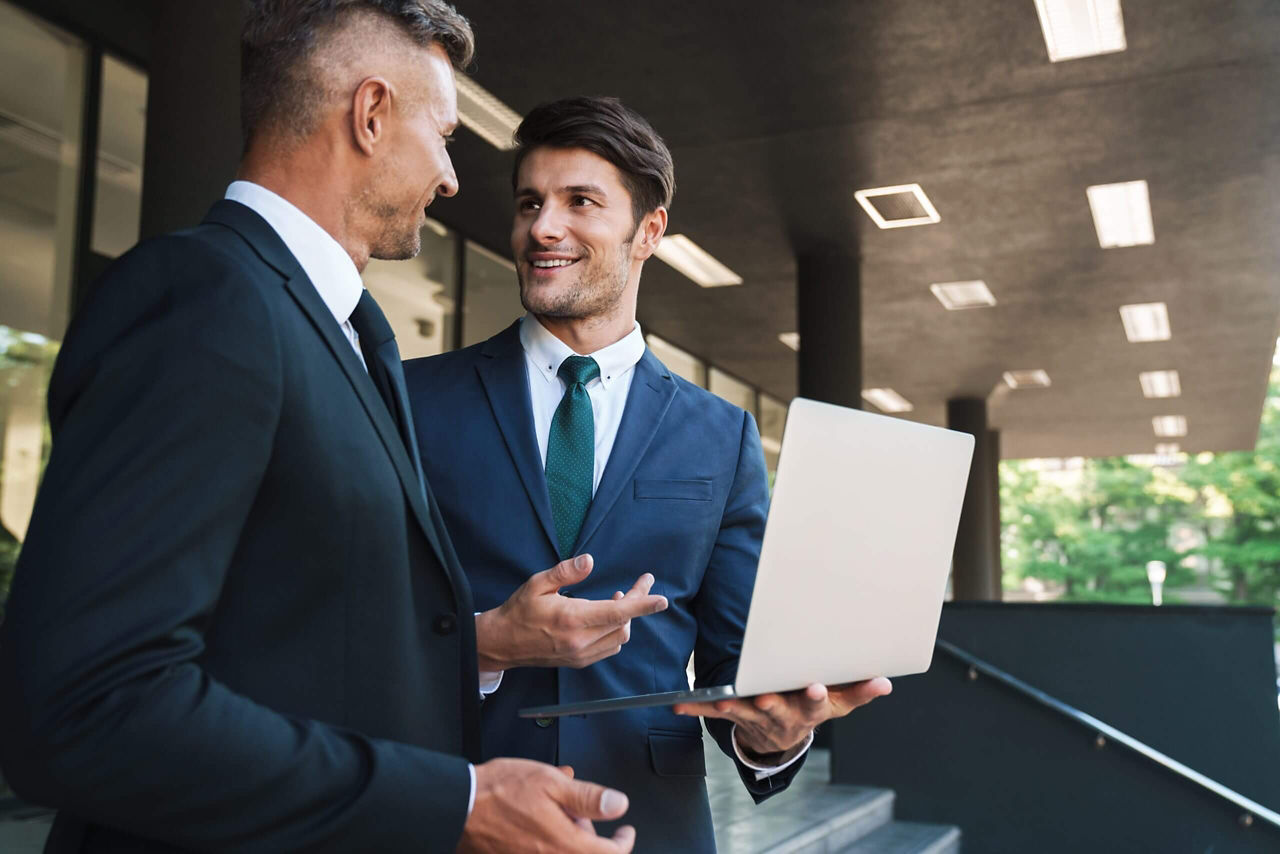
711,412
430,369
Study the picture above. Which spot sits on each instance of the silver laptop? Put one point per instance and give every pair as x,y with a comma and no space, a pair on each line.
854,564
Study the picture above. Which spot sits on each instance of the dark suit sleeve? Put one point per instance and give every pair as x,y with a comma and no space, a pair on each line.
165,406
725,596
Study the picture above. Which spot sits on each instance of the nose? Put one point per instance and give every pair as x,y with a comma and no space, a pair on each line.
548,226
449,182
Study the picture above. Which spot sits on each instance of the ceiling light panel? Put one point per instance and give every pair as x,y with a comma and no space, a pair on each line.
1076,28
490,119
695,262
955,296
1121,214
1169,426
898,206
1146,321
1168,449
1160,383
791,339
886,400
1026,379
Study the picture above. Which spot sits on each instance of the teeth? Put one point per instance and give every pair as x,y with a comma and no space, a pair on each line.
556,263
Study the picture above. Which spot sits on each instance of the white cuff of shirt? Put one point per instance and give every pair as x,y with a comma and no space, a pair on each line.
471,801
489,682
761,770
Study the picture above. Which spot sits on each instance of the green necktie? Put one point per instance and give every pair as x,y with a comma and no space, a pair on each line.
571,451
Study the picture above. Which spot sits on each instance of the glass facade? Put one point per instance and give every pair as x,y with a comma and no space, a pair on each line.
122,127
419,296
491,301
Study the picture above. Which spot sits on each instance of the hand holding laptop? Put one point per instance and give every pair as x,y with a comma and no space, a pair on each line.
772,724
537,627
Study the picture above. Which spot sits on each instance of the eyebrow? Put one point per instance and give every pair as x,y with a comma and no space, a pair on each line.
574,189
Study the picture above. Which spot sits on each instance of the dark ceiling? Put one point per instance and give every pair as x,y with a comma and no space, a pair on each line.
777,112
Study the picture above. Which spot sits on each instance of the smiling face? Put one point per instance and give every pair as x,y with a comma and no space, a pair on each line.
574,236
416,166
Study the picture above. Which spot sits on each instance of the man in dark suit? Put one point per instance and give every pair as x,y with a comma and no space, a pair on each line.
569,434
237,623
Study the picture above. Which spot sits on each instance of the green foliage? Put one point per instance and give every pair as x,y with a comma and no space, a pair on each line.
1094,535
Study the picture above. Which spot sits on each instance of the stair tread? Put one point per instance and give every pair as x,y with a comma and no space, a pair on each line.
907,837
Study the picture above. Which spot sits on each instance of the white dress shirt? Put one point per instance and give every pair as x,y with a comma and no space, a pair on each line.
608,392
330,269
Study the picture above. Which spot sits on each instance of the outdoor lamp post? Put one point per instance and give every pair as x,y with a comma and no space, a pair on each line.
1156,574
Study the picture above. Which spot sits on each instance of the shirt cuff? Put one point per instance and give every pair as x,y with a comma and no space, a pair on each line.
489,679
471,801
761,770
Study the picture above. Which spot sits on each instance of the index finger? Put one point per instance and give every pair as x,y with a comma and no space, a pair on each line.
616,612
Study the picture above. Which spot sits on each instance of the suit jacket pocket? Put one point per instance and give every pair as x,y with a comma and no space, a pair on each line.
685,490
676,754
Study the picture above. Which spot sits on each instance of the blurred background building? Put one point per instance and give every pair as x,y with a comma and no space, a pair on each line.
1050,223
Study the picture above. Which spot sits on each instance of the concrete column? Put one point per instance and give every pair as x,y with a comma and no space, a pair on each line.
972,573
829,315
193,112
997,555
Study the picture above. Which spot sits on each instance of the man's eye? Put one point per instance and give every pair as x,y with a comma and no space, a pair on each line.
527,205
583,200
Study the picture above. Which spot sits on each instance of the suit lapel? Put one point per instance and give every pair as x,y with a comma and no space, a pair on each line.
259,235
506,383
652,390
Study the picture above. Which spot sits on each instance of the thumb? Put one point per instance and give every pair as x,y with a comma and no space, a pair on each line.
591,801
564,574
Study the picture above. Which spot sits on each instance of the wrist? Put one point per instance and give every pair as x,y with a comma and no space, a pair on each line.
489,658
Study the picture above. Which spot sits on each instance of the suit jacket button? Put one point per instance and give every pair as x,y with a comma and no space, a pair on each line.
543,722
444,624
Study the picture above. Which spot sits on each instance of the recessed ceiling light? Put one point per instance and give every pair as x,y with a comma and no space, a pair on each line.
1169,426
1121,214
1160,383
1167,449
898,206
695,262
1146,321
886,400
482,112
791,339
1026,379
957,295
1076,28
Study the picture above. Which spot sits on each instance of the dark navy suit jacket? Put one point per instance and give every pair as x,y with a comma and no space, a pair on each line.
237,623
684,496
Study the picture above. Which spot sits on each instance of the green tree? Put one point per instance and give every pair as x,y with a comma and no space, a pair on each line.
1240,491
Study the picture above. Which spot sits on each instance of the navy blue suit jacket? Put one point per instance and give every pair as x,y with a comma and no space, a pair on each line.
237,623
684,496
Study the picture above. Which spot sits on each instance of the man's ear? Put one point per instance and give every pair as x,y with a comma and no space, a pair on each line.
370,106
649,234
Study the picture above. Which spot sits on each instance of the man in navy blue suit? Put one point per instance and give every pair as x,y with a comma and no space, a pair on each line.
565,433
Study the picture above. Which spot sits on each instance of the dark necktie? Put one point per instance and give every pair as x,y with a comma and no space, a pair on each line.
388,376
571,452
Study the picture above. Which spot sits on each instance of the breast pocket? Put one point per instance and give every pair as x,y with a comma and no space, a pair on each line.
677,490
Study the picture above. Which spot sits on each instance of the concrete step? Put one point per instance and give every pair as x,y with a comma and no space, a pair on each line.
830,819
905,837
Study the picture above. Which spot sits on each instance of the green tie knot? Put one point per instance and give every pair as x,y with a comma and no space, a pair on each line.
578,370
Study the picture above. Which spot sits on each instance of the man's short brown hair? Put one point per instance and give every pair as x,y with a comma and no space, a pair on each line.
278,85
606,127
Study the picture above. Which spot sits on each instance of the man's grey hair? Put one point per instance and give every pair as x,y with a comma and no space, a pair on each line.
279,84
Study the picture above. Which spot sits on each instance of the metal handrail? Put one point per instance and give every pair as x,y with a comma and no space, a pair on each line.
1252,808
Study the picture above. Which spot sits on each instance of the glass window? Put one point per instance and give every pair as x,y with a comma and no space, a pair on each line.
491,301
418,296
122,125
678,361
731,389
773,414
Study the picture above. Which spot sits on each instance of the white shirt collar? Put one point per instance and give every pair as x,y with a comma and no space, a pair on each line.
323,259
546,351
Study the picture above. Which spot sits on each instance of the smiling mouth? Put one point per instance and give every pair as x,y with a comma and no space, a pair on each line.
552,264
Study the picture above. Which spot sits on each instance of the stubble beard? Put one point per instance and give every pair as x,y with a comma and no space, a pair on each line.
594,293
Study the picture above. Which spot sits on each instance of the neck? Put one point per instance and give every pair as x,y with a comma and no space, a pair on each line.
305,177
587,335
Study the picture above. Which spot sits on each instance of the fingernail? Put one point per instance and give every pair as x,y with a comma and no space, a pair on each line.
613,803
582,562
661,606
886,684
